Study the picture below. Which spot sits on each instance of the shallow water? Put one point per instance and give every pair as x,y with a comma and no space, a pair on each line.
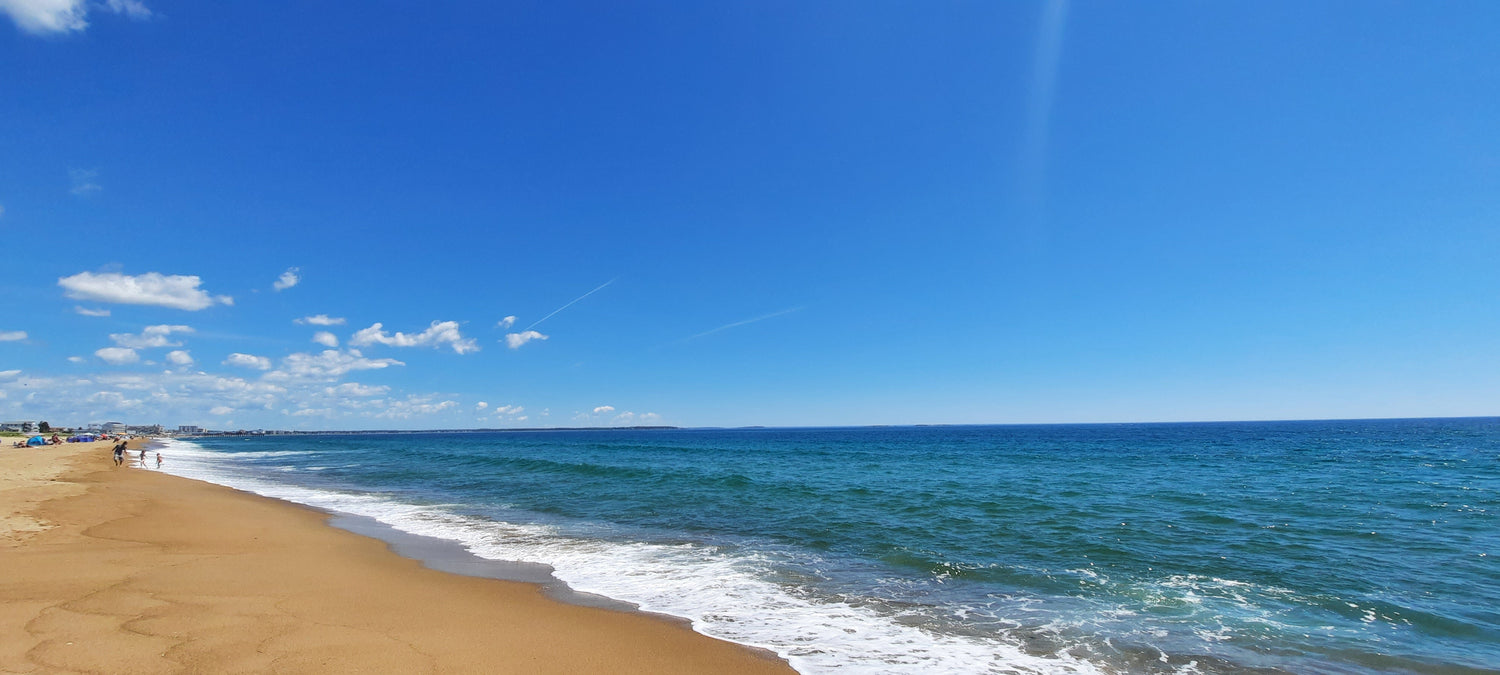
1358,546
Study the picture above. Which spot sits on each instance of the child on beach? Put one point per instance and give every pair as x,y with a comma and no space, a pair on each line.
158,460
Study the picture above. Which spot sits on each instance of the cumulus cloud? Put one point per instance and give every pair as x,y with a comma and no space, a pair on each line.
90,312
507,322
326,338
414,406
604,410
477,406
248,361
117,356
320,320
114,399
331,364
356,389
287,279
46,16
182,394
62,16
438,334
180,357
12,335
220,410
152,336
628,417
152,288
515,340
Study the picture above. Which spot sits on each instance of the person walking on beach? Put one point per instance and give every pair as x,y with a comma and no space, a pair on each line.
158,460
119,454
143,458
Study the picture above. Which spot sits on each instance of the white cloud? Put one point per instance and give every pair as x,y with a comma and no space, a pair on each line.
131,8
117,356
84,180
331,364
312,412
12,335
76,359
515,340
477,406
46,16
178,394
114,399
248,361
220,410
180,357
7,374
413,406
287,279
604,409
152,336
628,417
90,312
61,16
326,338
151,288
507,322
436,335
320,320
356,389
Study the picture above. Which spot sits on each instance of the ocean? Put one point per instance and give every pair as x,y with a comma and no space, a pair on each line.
1268,547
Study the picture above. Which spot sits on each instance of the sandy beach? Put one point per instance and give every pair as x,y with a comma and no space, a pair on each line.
124,570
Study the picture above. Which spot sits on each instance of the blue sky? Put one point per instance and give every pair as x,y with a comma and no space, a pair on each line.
766,213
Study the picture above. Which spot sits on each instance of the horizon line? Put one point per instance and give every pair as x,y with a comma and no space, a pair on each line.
667,427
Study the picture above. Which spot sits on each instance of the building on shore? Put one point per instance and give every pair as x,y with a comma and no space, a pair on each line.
23,427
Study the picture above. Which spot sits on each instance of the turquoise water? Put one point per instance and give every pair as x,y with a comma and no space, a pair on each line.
1305,547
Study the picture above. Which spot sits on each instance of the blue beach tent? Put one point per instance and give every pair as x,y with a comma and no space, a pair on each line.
36,440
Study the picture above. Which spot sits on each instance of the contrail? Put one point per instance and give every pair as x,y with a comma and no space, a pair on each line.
741,323
559,309
1034,150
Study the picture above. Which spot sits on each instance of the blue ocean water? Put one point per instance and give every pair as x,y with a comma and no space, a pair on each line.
1301,547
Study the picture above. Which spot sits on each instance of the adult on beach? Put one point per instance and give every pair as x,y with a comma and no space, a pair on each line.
120,453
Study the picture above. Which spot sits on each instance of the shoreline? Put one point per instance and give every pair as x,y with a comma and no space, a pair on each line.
119,569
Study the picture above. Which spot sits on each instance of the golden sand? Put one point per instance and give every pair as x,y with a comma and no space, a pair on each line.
108,569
